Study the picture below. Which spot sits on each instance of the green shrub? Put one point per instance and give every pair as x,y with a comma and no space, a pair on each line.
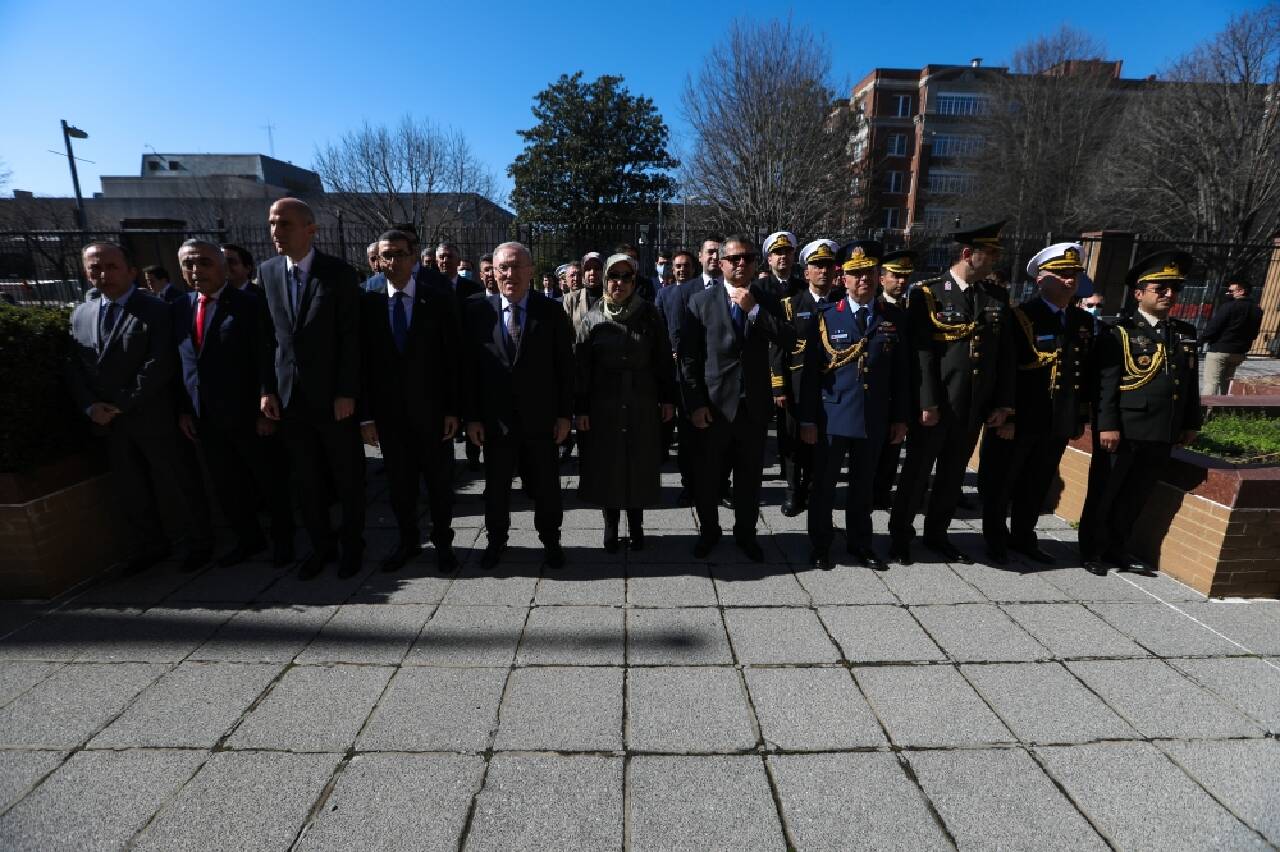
37,421
1240,437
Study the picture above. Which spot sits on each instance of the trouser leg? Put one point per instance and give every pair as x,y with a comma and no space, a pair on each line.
1038,460
747,456
137,496
828,458
229,458
998,467
714,446
924,443
863,454
948,478
539,469
499,466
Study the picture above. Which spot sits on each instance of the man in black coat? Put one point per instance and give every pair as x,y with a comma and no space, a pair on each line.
1229,334
120,373
724,366
409,404
314,303
219,330
518,398
445,277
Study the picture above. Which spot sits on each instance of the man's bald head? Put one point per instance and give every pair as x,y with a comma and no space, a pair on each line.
293,227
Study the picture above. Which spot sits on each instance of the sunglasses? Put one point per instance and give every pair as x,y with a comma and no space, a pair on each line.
624,277
735,259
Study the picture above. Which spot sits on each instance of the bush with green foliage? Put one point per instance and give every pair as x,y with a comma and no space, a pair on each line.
37,419
1240,437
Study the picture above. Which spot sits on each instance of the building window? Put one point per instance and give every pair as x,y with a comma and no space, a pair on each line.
949,183
898,145
956,144
939,219
175,166
960,105
893,218
902,106
893,182
859,149
153,165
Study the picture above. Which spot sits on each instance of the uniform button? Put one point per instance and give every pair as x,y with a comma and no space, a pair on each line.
866,387
1175,396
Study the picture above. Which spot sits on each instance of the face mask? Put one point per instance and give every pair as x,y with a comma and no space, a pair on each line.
465,273
1095,310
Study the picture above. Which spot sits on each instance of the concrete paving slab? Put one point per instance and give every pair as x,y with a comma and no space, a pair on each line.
549,802
811,709
929,583
879,634
582,584
561,709
139,590
688,709
1249,684
1044,703
1160,702
845,586
1079,585
72,704
326,589
313,708
690,636
673,587
1244,775
391,802
194,706
1164,631
20,770
779,636
159,635
694,804
573,635
469,636
1254,624
367,633
507,585
238,584
758,585
436,709
1165,588
96,800
929,706
1000,799
977,632
241,800
417,583
19,676
853,801
66,634
1138,799
1005,584
1071,631
275,634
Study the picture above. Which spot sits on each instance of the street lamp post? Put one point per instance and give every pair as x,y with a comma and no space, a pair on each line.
70,132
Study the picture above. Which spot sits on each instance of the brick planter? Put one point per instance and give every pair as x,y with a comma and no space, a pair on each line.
57,527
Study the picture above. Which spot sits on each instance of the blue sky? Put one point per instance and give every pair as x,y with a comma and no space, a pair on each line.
193,77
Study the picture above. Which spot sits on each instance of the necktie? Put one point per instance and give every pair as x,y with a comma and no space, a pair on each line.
399,322
109,320
860,319
739,317
297,289
200,318
513,330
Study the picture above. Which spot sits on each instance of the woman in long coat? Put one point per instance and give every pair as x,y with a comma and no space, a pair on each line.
626,390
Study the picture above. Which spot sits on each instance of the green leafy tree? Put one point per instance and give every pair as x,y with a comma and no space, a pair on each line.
597,155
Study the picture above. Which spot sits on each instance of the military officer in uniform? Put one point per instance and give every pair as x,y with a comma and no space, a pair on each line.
819,259
959,331
854,395
895,273
780,255
1053,343
1148,400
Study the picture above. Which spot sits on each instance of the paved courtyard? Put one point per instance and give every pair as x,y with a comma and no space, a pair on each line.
640,701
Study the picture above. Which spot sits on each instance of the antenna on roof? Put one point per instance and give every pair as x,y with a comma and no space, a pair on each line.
271,137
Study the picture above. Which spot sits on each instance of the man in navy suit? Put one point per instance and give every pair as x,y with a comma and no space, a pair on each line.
409,405
314,302
219,330
671,303
240,268
120,373
854,393
158,282
518,347
724,369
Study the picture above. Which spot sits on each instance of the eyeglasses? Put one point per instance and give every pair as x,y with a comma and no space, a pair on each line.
393,255
1163,288
735,259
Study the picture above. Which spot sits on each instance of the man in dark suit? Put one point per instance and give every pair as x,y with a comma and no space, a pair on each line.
518,348
445,277
853,395
120,373
219,331
409,405
158,282
670,302
895,272
724,365
240,269
314,302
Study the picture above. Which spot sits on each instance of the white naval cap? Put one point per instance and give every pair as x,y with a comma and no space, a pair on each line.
779,240
819,250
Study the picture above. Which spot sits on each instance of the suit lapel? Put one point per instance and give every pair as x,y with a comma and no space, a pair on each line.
495,302
529,322
125,317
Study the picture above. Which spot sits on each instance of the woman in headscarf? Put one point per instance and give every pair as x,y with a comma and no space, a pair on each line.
625,391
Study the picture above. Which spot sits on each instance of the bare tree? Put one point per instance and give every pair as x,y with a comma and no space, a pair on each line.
413,172
1200,153
6,175
770,150
1049,121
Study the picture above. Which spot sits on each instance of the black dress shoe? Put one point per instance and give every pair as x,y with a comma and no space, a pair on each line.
553,555
610,542
820,560
140,562
446,559
874,562
311,566
402,553
196,559
1033,552
727,502
492,555
750,547
948,551
706,542
900,552
997,555
635,539
350,565
1096,566
792,506
1132,564
241,552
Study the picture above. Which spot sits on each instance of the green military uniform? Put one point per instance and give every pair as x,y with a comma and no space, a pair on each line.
1149,393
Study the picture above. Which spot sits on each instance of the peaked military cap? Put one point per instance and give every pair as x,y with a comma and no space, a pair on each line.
1059,257
819,251
590,256
860,254
779,240
1172,266
988,236
901,262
